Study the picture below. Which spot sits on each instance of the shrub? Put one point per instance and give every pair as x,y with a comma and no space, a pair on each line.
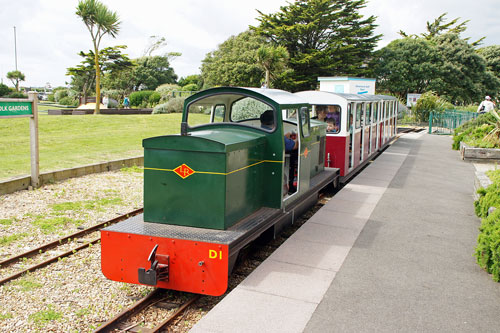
140,98
68,101
175,105
166,90
16,94
4,90
60,94
154,98
488,242
474,131
160,108
428,102
190,87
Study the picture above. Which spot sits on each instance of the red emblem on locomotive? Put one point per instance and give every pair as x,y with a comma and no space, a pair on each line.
183,171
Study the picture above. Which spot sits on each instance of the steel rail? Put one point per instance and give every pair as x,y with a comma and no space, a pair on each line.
48,261
66,239
162,326
112,324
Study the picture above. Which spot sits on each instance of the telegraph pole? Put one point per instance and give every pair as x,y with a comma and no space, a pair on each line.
15,45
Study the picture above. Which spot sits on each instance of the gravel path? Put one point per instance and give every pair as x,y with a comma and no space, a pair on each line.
71,295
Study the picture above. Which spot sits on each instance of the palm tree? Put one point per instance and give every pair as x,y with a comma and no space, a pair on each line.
99,21
272,59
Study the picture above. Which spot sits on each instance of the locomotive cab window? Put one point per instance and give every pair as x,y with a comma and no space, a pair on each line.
305,122
252,112
218,113
233,108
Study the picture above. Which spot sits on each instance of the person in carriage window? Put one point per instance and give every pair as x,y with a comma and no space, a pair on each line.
333,119
321,112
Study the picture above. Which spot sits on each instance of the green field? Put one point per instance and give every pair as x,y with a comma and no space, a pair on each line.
71,141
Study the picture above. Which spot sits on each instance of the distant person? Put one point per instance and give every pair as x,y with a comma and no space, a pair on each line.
267,122
126,102
105,101
486,106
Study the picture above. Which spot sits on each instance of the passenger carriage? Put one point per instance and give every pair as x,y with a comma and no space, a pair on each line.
357,126
222,182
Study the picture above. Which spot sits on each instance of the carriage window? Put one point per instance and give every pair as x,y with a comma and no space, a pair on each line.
368,110
304,121
333,119
359,114
375,112
218,113
349,112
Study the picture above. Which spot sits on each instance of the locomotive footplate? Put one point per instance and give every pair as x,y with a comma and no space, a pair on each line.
189,259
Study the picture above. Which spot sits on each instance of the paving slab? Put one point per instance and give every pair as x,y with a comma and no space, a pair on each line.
244,310
288,280
311,254
338,219
357,209
325,234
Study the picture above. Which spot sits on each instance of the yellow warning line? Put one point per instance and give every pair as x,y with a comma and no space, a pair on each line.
219,173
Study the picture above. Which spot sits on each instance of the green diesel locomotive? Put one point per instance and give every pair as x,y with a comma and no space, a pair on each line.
248,161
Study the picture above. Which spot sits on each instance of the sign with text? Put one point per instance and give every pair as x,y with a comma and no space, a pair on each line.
10,109
17,107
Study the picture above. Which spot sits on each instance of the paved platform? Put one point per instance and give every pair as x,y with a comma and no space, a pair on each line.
392,251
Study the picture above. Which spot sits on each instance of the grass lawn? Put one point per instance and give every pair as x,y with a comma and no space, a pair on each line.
71,141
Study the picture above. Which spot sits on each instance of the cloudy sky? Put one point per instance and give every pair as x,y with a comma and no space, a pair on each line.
50,35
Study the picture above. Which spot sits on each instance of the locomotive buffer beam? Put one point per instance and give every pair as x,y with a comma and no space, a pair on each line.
159,270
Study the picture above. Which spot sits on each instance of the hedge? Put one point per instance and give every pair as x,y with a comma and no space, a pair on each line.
488,242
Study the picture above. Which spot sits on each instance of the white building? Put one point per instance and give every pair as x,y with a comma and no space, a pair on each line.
347,85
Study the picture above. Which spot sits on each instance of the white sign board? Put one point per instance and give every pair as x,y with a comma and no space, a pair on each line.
411,99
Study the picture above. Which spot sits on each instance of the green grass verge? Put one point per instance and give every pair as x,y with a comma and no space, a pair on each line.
71,141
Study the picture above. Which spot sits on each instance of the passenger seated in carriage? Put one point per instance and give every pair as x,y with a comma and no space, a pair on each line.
333,119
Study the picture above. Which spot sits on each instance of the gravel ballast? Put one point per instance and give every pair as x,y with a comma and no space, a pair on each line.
71,295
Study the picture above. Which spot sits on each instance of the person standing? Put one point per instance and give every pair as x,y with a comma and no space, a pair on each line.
486,106
126,102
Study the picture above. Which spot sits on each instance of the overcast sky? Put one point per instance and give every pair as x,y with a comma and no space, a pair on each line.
50,35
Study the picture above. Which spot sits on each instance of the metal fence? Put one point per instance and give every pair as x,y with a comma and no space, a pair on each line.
444,122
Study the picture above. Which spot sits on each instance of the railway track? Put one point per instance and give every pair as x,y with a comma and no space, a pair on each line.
55,244
131,318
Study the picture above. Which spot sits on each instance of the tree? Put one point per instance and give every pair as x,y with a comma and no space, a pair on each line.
464,77
234,63
152,72
272,60
111,63
407,65
15,77
191,79
156,43
322,37
439,27
492,56
100,21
